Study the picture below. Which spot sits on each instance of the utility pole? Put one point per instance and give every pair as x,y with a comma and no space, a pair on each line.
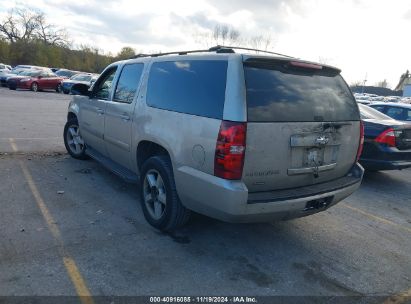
363,84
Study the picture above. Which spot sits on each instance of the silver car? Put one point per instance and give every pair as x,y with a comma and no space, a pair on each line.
238,137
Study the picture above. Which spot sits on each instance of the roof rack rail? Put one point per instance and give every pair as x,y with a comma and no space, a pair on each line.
170,53
217,49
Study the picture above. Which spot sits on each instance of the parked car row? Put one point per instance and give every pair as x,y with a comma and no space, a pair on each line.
37,78
366,98
387,142
83,78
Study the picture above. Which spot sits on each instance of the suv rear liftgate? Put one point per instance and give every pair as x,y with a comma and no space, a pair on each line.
303,130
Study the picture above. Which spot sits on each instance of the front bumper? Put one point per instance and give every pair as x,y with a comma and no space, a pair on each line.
66,88
230,201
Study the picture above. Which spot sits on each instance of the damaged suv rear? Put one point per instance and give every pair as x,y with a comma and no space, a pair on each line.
238,137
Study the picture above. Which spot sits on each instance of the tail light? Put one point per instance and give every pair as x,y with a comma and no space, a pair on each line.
387,137
230,150
361,144
305,65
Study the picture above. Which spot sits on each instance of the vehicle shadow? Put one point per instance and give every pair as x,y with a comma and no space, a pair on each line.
317,253
390,181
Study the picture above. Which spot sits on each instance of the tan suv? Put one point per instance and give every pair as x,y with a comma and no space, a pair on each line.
238,137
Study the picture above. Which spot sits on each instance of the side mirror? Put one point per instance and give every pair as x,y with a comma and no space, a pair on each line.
80,89
39,77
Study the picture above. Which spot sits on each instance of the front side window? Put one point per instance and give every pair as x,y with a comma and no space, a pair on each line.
103,87
128,82
194,87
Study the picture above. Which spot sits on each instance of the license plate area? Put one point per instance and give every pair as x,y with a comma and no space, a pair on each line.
313,157
318,204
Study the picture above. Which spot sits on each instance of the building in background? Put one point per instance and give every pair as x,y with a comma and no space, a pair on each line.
404,84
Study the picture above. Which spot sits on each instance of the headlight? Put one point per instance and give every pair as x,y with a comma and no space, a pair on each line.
25,79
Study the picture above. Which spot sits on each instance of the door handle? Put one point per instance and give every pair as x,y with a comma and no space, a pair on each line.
100,111
125,117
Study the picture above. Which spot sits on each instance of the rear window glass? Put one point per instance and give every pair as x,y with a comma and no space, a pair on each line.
399,113
370,113
194,87
278,93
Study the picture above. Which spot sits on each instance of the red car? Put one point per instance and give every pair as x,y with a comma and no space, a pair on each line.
35,80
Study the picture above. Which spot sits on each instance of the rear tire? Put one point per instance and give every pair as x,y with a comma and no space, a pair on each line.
159,199
59,88
73,141
34,87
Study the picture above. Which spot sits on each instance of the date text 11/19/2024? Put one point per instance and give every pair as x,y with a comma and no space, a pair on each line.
239,299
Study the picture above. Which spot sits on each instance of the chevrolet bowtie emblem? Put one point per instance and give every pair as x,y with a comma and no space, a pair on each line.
322,140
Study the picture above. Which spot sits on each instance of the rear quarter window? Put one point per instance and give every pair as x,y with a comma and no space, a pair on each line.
194,87
279,94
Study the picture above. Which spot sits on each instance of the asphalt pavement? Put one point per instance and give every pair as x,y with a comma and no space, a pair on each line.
70,227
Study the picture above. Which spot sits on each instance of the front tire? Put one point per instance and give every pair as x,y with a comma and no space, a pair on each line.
159,199
73,141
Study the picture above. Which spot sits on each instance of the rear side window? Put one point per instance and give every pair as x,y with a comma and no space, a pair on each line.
128,82
399,113
370,113
194,87
279,93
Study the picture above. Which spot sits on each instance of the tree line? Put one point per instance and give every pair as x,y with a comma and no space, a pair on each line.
26,37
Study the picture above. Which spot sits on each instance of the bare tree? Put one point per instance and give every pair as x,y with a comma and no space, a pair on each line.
223,33
19,24
262,42
49,33
25,25
356,83
382,84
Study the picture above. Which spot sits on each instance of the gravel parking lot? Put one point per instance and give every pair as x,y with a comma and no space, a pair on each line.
70,227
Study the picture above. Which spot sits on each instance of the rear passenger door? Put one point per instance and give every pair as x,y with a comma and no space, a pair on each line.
44,81
119,114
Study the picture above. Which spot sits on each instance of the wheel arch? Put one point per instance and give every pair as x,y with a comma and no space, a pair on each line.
147,149
71,115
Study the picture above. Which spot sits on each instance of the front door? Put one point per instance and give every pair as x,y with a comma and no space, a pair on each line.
119,115
93,110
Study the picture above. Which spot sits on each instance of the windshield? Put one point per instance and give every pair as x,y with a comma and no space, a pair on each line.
30,73
65,73
277,92
81,77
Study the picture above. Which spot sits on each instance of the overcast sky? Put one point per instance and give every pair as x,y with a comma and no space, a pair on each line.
361,37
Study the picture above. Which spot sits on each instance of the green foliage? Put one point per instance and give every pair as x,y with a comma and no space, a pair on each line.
125,53
36,52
